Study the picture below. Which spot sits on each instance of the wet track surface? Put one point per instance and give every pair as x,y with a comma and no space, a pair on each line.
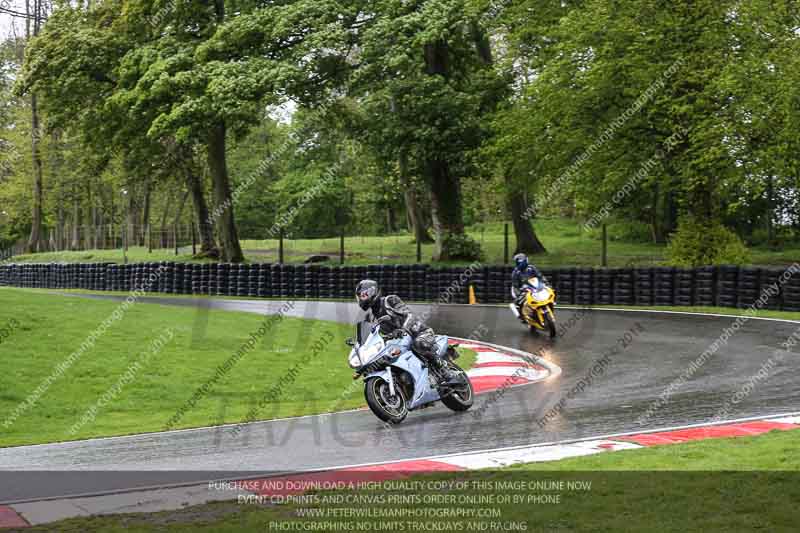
660,349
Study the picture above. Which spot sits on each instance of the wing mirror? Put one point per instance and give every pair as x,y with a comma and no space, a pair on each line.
350,342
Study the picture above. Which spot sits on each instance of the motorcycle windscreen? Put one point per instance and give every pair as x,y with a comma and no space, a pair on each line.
363,329
536,283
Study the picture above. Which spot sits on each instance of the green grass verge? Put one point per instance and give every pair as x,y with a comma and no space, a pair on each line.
50,328
568,244
735,484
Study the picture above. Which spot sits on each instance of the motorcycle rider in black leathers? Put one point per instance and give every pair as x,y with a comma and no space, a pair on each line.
368,295
522,272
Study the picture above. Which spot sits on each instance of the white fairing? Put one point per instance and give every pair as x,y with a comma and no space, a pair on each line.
541,295
363,354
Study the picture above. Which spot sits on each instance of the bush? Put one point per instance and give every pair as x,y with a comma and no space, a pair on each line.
462,247
702,243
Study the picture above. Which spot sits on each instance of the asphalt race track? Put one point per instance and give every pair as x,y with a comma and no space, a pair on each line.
660,348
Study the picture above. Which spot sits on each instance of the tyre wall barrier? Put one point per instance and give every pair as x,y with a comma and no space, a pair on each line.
725,286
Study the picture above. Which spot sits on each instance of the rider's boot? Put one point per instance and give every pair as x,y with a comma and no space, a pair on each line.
447,376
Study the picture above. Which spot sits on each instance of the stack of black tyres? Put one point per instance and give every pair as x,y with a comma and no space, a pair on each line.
727,291
417,279
495,284
705,281
584,278
256,280
684,287
602,287
623,286
769,278
233,276
564,286
663,285
790,293
727,286
748,285
643,286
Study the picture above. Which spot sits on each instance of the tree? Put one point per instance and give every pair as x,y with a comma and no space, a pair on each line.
33,21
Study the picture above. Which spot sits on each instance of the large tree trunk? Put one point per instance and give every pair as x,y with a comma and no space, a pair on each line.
413,211
35,238
60,216
445,208
527,241
445,185
76,220
145,222
130,219
205,228
770,209
163,226
231,250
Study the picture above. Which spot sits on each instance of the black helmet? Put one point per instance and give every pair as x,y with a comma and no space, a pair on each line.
521,260
367,293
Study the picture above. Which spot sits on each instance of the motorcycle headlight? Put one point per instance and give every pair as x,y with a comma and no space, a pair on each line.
368,353
354,361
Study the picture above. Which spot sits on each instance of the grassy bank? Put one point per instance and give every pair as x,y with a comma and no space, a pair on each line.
568,244
736,484
149,364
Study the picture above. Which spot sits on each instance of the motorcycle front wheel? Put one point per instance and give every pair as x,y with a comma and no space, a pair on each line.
551,325
462,396
392,409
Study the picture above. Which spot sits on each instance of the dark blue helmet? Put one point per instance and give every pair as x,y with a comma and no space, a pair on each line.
521,260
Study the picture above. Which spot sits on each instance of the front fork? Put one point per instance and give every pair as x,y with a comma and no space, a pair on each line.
390,381
542,311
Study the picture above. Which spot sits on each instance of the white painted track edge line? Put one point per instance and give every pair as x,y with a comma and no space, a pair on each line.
434,458
612,436
553,443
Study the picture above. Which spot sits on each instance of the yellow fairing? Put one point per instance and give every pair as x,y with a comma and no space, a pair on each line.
533,308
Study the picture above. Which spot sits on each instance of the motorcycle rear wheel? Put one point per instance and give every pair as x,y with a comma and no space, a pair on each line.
392,409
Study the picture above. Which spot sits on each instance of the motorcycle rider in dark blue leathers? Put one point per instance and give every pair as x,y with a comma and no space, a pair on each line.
522,272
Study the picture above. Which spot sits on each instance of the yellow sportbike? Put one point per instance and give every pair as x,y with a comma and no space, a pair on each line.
538,310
